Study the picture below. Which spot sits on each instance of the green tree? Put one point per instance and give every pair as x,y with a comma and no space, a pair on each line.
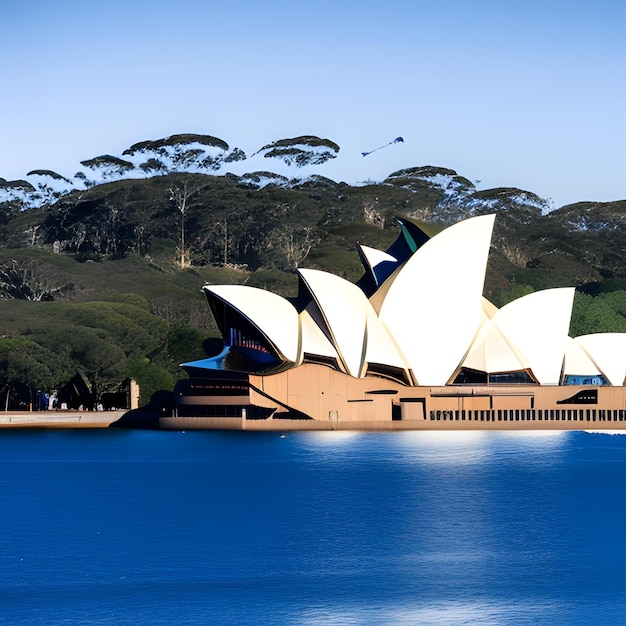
513,292
24,362
150,377
134,330
92,351
184,343
596,315
616,300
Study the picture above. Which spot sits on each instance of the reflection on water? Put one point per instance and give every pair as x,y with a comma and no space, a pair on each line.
328,437
436,614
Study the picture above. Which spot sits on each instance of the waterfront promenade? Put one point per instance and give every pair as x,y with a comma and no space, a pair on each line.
58,419
103,419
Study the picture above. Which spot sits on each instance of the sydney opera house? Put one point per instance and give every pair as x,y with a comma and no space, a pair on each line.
412,345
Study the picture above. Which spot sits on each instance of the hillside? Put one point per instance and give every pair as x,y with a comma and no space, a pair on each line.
114,232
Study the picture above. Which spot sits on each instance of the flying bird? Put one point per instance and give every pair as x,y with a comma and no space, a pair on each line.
396,140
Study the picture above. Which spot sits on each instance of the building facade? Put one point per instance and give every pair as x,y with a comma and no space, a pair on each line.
413,344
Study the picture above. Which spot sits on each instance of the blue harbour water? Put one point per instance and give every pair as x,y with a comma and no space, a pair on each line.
311,529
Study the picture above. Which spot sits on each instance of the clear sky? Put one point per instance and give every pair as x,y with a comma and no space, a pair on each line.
528,94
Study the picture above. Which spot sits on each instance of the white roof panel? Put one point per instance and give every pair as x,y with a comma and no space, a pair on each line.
608,352
491,352
375,258
274,316
577,361
538,325
344,307
434,306
314,339
381,347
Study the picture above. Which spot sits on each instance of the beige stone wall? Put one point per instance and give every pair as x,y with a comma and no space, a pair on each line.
326,394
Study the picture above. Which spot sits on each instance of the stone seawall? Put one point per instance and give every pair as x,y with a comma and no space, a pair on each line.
288,425
103,419
58,419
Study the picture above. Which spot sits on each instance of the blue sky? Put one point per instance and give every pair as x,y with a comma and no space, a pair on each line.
522,94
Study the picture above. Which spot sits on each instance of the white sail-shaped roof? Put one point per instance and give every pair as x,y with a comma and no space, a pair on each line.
433,306
374,259
381,347
272,315
344,307
492,353
577,361
538,325
608,352
314,339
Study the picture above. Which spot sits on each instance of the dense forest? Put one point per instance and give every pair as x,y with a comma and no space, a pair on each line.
105,282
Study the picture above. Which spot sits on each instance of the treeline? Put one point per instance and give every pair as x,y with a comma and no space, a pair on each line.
45,344
107,282
223,222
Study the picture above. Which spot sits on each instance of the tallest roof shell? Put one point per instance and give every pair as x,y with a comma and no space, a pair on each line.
433,304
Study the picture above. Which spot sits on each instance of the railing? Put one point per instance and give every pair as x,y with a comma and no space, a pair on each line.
531,415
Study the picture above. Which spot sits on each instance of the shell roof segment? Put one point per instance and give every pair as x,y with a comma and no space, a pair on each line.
577,361
315,341
492,352
382,349
433,305
607,350
344,309
378,265
272,315
537,325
